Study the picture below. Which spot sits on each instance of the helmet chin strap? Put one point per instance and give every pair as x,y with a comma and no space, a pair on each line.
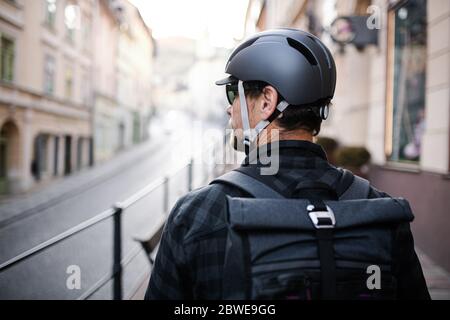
251,134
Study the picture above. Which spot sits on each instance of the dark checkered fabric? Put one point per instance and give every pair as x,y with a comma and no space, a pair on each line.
189,263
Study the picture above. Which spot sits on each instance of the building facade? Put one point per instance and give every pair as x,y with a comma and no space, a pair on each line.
392,97
123,72
134,69
45,90
75,86
106,106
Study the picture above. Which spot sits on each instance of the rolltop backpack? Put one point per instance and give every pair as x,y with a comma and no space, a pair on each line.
308,248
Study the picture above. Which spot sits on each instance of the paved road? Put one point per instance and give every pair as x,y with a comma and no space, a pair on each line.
44,275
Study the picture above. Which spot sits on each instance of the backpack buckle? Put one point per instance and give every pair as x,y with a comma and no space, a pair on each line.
322,219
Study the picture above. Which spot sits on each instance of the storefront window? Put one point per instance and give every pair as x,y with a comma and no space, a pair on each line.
408,56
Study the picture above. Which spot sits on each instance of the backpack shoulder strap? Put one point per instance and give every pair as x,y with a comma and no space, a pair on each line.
248,184
359,188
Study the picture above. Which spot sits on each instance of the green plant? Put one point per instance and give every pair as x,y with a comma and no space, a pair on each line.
354,157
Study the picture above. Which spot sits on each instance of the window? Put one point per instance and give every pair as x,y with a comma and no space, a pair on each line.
50,12
71,20
85,89
49,75
14,3
86,27
6,59
407,55
68,82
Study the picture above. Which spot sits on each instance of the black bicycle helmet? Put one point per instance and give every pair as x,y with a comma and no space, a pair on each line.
294,62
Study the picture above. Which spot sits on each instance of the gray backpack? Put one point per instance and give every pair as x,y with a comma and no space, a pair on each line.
308,248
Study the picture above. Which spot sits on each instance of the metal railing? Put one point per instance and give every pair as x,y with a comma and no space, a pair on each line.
116,212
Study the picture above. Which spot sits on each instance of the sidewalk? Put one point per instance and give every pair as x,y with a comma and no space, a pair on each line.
438,280
13,208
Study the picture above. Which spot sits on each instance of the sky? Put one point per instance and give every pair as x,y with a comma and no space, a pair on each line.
222,20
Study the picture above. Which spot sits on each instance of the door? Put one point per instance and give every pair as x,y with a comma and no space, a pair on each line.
67,155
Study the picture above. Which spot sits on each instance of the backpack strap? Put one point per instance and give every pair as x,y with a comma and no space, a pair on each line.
353,187
248,184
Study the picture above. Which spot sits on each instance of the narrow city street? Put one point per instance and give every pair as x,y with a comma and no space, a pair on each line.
111,110
44,275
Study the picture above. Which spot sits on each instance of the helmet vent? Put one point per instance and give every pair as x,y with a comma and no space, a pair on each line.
242,47
303,50
324,50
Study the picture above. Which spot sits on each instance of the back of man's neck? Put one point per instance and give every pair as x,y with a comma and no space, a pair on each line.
269,135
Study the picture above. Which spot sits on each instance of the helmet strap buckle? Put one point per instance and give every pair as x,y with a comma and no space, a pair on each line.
324,112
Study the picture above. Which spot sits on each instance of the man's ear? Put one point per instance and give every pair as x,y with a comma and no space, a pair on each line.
269,101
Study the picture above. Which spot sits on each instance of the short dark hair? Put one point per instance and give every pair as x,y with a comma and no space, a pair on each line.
301,117
306,117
